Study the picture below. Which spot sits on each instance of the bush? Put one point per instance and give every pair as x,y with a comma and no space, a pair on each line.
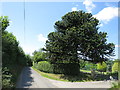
102,66
45,66
115,67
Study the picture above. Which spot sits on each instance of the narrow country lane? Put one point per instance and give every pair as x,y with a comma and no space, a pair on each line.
31,79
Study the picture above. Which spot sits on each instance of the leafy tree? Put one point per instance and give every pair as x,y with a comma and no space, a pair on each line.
102,66
39,56
90,66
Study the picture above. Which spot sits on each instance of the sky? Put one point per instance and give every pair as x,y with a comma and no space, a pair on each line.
31,31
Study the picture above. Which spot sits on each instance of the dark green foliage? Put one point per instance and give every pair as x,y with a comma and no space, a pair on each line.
66,68
6,78
29,60
58,68
109,65
82,64
77,37
13,56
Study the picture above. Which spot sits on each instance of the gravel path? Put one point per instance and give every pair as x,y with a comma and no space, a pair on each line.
32,79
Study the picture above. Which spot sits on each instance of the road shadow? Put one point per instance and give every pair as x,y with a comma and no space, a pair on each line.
26,79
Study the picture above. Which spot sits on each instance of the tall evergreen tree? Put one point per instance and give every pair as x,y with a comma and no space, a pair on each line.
77,36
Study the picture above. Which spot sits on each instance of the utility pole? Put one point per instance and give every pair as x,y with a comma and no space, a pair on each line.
24,20
118,44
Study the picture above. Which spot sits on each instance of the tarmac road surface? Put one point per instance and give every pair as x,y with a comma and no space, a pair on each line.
29,78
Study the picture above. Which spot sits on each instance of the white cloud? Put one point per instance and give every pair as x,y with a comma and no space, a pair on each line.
74,9
41,38
117,45
106,14
89,5
29,49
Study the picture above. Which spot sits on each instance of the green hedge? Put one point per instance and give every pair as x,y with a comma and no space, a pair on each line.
45,66
67,68
13,57
58,68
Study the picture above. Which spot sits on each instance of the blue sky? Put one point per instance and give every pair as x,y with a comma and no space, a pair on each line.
41,16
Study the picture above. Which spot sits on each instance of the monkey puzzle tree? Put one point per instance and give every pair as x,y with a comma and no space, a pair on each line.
77,36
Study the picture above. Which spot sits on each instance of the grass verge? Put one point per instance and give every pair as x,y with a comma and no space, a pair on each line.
50,75
67,78
87,71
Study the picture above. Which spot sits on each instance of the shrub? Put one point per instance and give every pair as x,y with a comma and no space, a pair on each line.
115,67
45,66
58,68
102,66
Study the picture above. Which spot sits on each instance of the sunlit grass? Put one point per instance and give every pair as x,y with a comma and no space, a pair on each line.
50,75
87,71
67,78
